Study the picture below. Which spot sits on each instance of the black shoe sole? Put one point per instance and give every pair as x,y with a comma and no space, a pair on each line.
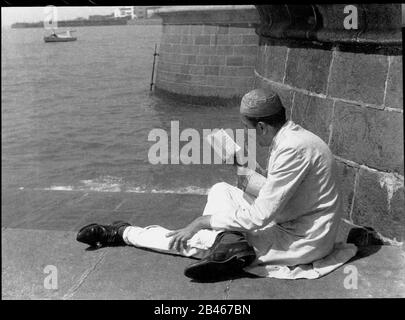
208,270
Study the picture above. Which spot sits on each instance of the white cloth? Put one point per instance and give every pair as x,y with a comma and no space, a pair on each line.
293,222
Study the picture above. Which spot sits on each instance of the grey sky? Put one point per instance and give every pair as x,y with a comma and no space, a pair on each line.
9,15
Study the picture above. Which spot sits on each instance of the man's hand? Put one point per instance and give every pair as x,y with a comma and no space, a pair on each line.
181,236
237,159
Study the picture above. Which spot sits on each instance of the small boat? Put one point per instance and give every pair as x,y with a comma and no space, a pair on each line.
60,37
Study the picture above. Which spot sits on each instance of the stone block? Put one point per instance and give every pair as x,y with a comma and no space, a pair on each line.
183,29
241,30
245,50
284,93
178,49
216,81
175,67
358,77
208,50
205,39
221,39
225,50
186,39
164,47
213,39
185,68
240,82
168,58
346,175
197,79
234,61
379,203
211,70
249,61
223,30
192,59
252,39
394,94
308,69
314,114
235,39
210,29
169,29
271,62
236,71
189,49
182,78
174,38
203,60
217,60
368,136
196,69
196,29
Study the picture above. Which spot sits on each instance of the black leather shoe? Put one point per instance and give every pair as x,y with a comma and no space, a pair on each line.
229,254
97,235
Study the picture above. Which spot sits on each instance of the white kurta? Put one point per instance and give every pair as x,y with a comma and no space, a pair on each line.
295,218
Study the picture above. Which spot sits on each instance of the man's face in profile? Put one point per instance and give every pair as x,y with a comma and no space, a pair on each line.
247,124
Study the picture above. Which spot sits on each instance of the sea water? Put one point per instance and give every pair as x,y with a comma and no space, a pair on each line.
76,115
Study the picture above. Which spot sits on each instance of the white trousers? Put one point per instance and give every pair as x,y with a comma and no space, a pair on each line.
222,197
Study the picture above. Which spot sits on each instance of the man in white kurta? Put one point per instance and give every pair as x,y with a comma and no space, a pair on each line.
291,220
295,218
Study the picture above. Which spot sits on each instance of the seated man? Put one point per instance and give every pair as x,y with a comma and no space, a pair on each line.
291,220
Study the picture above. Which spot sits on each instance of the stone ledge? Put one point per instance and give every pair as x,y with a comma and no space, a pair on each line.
378,24
221,14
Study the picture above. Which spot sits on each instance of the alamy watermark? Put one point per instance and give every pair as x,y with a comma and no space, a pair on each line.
51,280
190,153
350,282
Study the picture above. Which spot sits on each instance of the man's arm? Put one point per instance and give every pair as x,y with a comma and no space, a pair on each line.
289,169
250,181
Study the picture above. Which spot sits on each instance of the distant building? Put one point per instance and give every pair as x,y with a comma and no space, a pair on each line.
135,12
125,12
140,12
150,11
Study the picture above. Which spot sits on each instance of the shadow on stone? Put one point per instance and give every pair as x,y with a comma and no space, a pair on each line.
94,248
230,276
367,240
364,236
366,251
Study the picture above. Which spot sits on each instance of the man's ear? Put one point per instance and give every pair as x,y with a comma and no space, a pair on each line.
261,127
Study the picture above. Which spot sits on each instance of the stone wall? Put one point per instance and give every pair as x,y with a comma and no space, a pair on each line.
353,101
343,85
206,57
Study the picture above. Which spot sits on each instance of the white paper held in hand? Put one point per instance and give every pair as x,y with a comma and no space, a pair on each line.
224,146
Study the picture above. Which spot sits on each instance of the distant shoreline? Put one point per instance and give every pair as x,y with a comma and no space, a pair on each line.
88,23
